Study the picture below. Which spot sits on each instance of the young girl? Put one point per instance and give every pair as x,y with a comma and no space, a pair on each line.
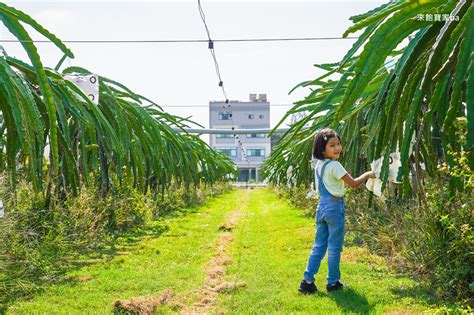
330,179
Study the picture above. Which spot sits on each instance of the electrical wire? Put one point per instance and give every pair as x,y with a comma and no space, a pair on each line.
168,41
221,82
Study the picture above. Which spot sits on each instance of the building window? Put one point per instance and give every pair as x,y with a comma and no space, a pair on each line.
255,135
256,152
229,151
224,135
261,116
225,116
251,116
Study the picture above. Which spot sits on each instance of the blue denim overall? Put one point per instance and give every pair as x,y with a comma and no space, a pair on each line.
329,233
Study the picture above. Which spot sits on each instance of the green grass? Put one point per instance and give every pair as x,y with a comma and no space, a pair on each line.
272,245
270,248
173,260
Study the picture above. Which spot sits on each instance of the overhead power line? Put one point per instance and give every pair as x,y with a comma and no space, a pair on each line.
221,82
166,41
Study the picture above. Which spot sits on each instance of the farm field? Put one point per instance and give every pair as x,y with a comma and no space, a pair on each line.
112,201
244,252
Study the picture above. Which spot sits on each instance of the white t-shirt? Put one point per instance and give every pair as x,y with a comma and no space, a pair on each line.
331,177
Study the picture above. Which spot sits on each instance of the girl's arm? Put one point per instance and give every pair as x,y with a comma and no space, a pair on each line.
354,183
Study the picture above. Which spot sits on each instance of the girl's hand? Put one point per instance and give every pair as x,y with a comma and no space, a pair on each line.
354,183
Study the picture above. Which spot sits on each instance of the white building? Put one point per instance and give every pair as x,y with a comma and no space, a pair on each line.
247,150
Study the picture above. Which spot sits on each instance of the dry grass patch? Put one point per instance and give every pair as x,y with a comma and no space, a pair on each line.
216,270
84,278
362,255
144,305
227,286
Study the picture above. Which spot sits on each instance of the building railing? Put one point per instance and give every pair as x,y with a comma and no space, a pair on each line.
232,131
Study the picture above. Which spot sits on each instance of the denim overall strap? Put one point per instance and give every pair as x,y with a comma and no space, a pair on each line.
323,192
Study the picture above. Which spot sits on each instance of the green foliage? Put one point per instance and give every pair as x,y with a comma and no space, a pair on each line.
126,134
430,238
433,241
112,167
413,108
423,108
41,242
11,18
267,234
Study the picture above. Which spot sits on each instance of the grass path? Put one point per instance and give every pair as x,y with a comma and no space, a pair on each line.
244,252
